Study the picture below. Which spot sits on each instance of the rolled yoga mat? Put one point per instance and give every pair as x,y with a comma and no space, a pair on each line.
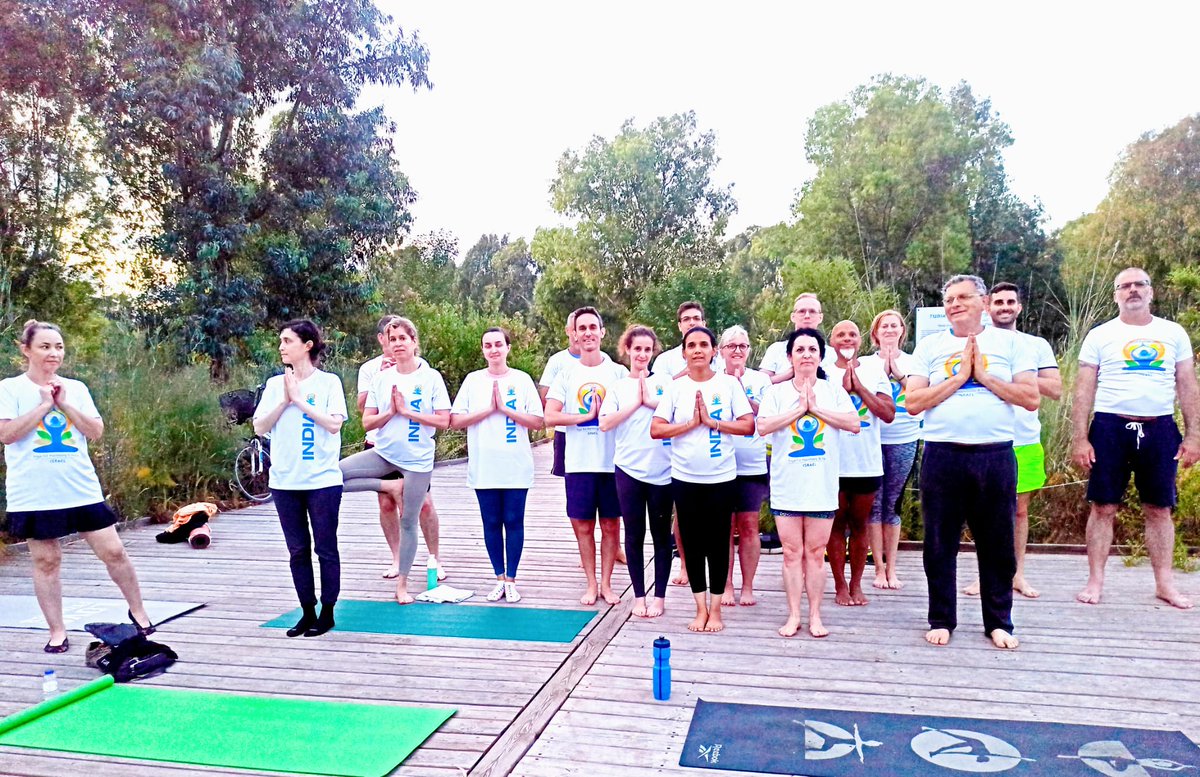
228,730
522,624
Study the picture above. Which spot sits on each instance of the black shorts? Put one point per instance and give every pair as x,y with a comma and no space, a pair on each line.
558,467
592,492
860,485
52,524
750,492
1145,449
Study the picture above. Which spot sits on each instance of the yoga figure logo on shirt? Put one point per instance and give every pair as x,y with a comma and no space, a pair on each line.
897,394
55,429
952,365
589,393
863,422
1145,355
808,437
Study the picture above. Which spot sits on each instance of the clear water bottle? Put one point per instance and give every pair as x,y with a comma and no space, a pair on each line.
662,669
431,574
49,683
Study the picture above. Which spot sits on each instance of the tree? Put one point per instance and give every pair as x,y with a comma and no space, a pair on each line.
646,202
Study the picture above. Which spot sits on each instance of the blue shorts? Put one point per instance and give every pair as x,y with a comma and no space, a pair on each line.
826,515
52,524
1145,449
592,492
750,491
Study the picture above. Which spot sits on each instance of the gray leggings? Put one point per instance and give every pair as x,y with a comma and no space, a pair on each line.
364,472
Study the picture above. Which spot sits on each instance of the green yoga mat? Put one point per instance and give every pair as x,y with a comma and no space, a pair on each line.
524,624
220,729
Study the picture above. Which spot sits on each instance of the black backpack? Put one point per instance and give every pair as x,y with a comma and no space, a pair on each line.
135,658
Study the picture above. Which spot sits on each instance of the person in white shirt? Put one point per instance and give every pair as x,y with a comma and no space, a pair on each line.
750,452
303,411
554,366
407,404
1131,369
861,459
806,313
701,415
574,402
642,466
1004,306
898,441
51,486
498,406
389,513
808,419
967,381
672,362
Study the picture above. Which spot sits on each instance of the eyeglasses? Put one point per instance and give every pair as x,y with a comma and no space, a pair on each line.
736,346
959,298
1142,284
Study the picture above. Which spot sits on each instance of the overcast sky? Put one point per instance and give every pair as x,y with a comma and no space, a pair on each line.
518,83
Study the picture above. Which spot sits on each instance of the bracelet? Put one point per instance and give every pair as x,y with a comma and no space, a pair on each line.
718,427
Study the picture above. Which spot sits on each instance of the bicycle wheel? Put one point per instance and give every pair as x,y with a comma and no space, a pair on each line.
250,472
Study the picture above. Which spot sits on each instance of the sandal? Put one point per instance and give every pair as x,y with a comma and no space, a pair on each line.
143,630
497,592
510,593
61,648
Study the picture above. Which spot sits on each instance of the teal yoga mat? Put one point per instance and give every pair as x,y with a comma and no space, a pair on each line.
522,624
227,730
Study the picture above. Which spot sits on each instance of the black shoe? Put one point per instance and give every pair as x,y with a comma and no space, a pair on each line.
324,622
305,623
63,648
143,630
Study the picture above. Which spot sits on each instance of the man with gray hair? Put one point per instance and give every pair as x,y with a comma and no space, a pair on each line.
967,380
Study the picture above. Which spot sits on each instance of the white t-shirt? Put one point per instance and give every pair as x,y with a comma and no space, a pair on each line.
403,441
862,454
577,387
367,374
972,415
671,363
775,360
703,455
805,455
1136,364
750,450
498,454
1028,427
49,468
637,453
555,365
304,456
904,428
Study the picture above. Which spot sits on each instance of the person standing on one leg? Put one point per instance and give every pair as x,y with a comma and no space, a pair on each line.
700,415
303,411
967,381
1130,371
51,487
898,441
861,460
574,402
1004,308
389,514
642,466
497,406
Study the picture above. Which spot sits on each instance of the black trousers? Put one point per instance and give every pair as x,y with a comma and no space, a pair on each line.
320,508
975,484
705,515
637,499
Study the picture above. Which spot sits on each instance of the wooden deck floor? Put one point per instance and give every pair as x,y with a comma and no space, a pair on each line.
586,708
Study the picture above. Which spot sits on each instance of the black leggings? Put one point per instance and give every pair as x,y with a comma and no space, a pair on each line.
635,498
705,515
297,509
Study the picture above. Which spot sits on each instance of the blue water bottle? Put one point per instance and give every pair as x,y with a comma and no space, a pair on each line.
662,669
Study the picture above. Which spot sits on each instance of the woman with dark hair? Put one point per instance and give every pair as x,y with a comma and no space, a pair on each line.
497,406
804,417
701,414
642,464
51,486
303,410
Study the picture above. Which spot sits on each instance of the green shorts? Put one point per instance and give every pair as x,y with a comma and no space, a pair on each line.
1031,467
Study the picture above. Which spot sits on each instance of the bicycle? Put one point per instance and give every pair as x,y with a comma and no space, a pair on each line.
252,465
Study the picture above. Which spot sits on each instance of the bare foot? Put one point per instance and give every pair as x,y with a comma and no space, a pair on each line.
680,579
610,597
656,608
589,598
972,589
842,597
790,628
816,628
747,599
1174,598
727,599
894,583
639,606
699,622
858,598
938,636
403,597
880,581
392,572
1090,593
715,623
1025,589
1003,640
